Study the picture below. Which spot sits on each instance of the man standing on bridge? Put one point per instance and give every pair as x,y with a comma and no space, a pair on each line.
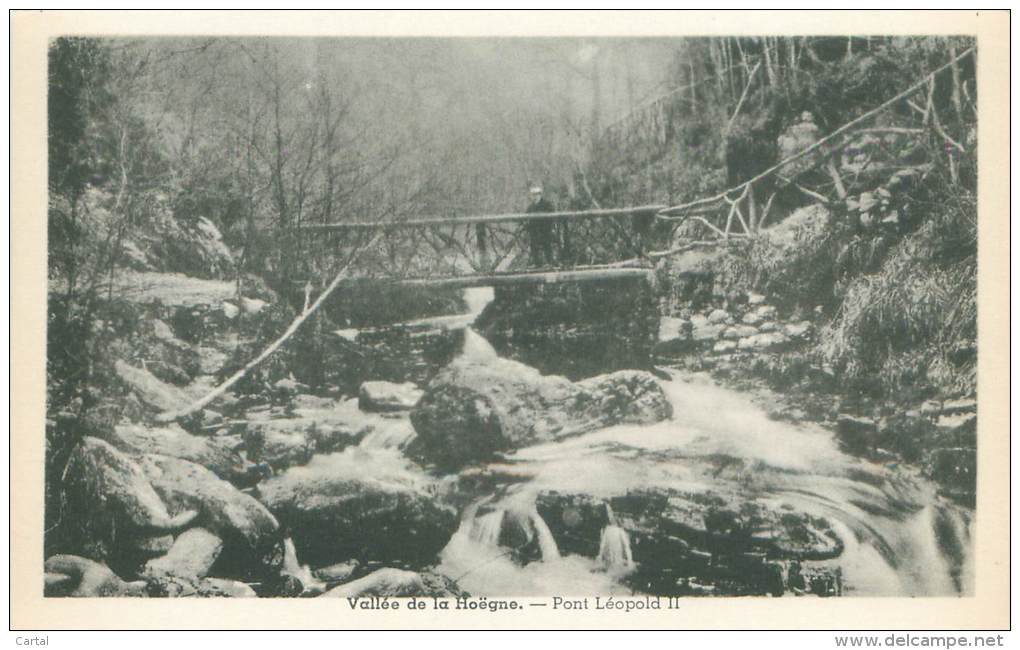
540,231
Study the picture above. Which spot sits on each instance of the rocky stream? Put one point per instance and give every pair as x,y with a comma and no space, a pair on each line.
495,478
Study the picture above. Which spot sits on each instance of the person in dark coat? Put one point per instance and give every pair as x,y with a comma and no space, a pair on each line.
540,231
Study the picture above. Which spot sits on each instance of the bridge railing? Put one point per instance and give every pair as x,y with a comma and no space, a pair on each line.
485,246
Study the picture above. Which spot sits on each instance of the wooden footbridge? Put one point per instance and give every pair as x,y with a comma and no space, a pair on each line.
488,250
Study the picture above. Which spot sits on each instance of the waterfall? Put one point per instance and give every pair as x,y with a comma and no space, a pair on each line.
292,567
614,550
477,299
546,541
615,555
476,348
486,529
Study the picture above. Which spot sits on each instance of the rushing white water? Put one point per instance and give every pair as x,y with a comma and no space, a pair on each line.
899,537
292,567
546,541
615,555
395,433
478,298
481,566
486,529
476,348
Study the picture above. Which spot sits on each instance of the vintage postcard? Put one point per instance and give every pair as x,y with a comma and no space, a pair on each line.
510,320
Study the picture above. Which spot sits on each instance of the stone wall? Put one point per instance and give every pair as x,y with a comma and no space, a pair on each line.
577,330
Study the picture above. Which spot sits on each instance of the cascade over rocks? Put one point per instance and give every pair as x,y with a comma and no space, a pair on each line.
741,545
473,408
363,506
287,436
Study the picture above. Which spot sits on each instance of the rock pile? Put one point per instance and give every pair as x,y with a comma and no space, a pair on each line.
747,326
179,514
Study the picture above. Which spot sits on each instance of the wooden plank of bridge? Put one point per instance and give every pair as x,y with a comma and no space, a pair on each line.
532,277
642,210
630,269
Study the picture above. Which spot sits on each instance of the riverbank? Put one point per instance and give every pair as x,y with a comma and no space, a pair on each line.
864,326
745,345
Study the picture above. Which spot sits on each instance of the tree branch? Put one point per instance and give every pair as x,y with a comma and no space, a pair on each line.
170,416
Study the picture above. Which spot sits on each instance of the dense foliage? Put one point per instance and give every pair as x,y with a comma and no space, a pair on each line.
896,286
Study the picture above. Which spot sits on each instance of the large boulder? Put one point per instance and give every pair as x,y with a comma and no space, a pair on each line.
112,504
265,443
174,441
723,525
285,437
384,582
576,520
360,505
252,541
473,409
150,342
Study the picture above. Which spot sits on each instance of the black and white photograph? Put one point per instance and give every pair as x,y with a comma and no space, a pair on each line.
592,320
